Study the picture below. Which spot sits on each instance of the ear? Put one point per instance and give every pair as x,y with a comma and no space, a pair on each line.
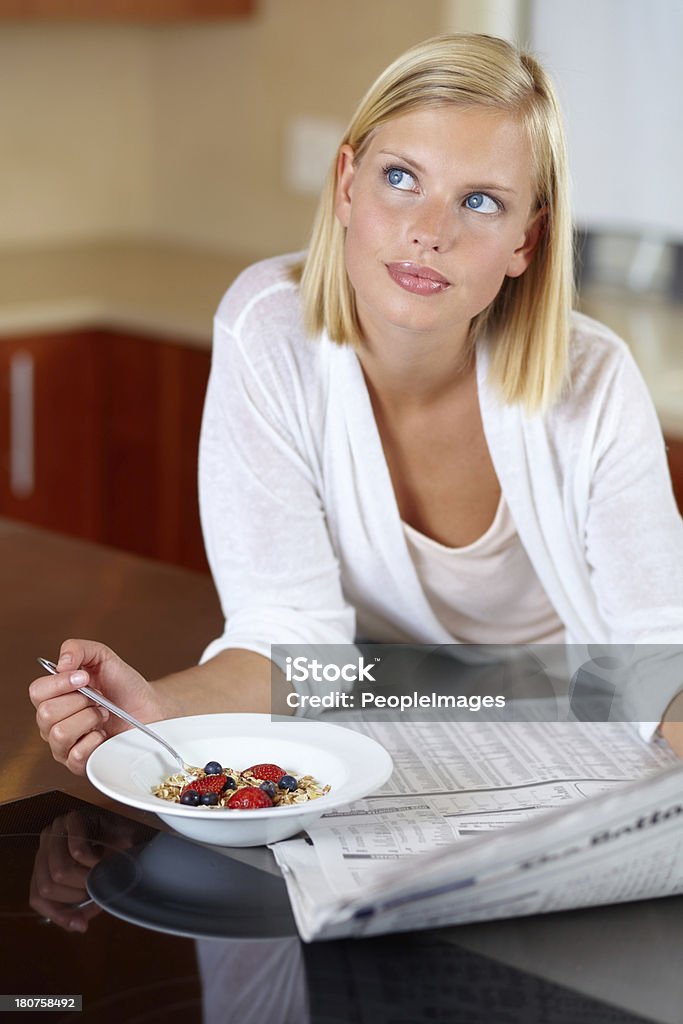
523,255
345,173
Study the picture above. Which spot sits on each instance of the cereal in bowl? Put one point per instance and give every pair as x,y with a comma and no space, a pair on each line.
260,786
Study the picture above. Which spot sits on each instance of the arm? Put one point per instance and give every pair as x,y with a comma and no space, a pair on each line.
634,546
268,545
234,680
261,492
634,531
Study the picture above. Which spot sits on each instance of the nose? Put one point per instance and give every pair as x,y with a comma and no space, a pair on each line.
433,226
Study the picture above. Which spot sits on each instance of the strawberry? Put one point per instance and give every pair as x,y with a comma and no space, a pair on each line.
267,772
208,784
249,798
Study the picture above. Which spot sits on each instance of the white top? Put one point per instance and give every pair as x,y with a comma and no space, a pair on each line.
301,525
486,592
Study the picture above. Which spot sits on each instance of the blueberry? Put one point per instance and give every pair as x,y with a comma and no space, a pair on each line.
229,783
190,797
209,799
213,768
270,788
288,782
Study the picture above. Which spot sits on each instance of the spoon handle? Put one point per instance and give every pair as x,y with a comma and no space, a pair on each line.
120,713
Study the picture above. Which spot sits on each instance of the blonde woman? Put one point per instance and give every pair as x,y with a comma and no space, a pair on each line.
408,435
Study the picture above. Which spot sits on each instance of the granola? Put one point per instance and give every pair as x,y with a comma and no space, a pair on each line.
259,786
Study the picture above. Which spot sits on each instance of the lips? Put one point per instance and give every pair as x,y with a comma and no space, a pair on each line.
417,278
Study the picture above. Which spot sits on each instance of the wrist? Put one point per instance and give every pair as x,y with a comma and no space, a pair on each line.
162,703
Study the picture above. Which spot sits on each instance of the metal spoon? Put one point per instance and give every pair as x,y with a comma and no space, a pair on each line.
99,699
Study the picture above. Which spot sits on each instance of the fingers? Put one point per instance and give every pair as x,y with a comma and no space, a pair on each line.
74,738
53,715
58,882
75,653
65,723
80,752
47,687
71,724
106,671
65,716
74,919
81,846
53,910
66,877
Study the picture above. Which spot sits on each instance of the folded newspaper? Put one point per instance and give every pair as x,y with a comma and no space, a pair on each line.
488,820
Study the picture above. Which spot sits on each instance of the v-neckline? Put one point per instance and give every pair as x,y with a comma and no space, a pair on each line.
362,428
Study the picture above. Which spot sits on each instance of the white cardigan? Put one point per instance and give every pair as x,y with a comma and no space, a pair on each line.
301,525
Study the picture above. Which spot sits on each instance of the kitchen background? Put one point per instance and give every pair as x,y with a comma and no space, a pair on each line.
149,151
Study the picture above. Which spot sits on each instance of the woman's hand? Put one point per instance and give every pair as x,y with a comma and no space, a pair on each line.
68,721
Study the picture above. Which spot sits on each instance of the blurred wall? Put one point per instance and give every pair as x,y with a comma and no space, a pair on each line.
75,138
177,132
507,18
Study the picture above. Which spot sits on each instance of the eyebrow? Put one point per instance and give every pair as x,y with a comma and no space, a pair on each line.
418,167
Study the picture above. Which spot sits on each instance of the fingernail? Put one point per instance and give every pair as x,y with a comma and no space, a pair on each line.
77,925
104,713
64,661
78,678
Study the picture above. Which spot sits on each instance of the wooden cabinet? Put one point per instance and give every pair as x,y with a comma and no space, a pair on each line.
49,433
124,10
99,434
674,449
152,397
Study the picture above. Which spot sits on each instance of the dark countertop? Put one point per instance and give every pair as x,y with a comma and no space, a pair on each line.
157,617
608,964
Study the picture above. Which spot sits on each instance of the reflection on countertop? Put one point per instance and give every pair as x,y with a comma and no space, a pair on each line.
172,290
152,945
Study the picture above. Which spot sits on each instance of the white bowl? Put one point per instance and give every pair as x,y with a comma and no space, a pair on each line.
126,767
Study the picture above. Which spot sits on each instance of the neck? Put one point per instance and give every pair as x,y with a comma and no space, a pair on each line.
413,371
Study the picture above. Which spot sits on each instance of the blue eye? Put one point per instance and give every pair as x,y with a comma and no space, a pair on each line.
482,203
399,179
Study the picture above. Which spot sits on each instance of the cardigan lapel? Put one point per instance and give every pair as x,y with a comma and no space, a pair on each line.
378,507
534,484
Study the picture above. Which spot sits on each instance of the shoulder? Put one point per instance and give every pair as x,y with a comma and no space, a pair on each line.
598,359
265,290
596,353
605,394
260,339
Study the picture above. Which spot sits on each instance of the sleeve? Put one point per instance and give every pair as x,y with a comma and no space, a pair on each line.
262,513
634,542
634,531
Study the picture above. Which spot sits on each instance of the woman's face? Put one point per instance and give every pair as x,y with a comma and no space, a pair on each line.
438,211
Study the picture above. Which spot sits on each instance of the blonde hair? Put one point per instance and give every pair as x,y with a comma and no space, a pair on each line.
529,318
